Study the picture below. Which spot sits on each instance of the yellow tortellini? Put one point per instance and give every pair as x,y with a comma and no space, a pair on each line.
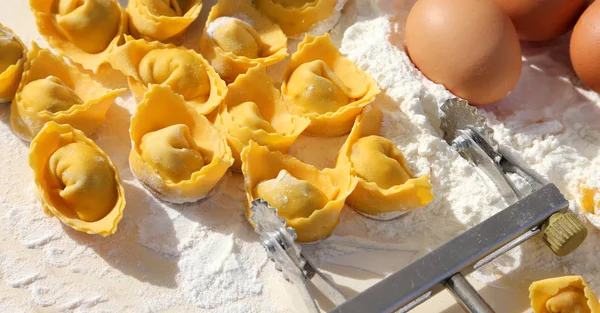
12,59
185,71
309,199
386,187
237,37
298,16
85,31
253,110
325,87
567,294
52,90
177,153
76,181
162,20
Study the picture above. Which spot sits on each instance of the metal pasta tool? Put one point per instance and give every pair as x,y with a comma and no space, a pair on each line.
279,242
540,208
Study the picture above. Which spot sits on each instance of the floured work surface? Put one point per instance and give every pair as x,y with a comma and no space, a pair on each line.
204,257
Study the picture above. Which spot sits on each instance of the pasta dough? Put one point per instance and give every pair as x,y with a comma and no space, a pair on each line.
162,20
310,200
325,87
253,110
176,152
297,16
52,90
172,152
237,37
86,31
294,198
567,294
385,184
76,181
12,59
185,71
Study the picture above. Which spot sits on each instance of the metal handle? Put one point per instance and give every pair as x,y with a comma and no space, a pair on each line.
466,295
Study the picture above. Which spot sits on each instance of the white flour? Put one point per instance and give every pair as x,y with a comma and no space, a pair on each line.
204,257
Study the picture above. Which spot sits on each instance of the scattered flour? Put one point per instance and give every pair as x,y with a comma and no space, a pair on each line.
204,257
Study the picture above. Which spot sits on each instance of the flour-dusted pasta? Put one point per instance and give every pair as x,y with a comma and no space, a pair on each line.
85,31
253,110
185,71
309,199
176,152
162,20
52,90
385,184
324,86
76,181
12,59
567,294
297,16
237,37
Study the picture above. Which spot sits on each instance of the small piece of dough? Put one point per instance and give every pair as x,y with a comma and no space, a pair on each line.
376,159
309,199
237,37
325,87
314,87
76,181
52,90
90,189
85,31
185,71
49,94
292,197
173,152
253,110
180,69
567,294
176,153
297,16
248,115
12,59
162,20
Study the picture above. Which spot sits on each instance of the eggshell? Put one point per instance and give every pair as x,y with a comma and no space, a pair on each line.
585,47
469,46
538,20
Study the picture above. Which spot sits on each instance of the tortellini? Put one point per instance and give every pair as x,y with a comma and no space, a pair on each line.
177,154
325,87
162,20
52,90
567,294
253,110
85,31
12,59
76,181
309,199
298,16
237,37
386,187
185,71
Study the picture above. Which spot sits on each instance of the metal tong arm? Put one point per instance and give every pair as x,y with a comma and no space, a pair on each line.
495,164
301,272
427,276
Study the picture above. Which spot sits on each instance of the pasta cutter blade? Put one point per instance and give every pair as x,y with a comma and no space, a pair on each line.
279,242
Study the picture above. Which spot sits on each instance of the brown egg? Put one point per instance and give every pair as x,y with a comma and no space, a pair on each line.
469,46
538,20
585,47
